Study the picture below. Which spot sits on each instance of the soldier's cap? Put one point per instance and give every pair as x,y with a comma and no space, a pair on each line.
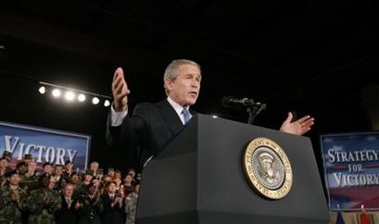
63,178
44,175
7,155
111,182
20,164
131,170
46,164
89,172
74,173
91,184
28,156
12,172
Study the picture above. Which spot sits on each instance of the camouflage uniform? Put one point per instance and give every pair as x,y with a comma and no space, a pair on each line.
3,171
10,210
31,183
2,179
5,159
131,207
42,204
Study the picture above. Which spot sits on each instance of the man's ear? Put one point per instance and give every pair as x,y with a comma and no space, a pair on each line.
169,84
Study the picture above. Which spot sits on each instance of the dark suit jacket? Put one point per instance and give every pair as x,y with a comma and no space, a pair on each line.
67,215
111,215
149,128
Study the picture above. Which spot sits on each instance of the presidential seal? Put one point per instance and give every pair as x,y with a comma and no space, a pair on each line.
267,168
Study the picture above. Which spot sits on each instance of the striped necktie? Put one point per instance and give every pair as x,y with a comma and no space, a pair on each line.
186,115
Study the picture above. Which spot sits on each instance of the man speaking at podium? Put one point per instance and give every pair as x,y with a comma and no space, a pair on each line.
151,125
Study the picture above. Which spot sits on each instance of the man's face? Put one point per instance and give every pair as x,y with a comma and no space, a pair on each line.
52,184
48,169
68,190
128,179
88,177
94,166
92,190
3,163
69,166
185,88
117,175
112,188
58,170
14,179
23,169
75,178
132,173
32,165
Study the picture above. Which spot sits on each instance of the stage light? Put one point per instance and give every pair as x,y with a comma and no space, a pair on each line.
69,96
95,100
42,90
56,93
107,103
81,97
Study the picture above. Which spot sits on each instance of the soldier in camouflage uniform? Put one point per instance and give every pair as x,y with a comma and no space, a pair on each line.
28,182
22,168
81,188
12,200
43,203
4,160
131,204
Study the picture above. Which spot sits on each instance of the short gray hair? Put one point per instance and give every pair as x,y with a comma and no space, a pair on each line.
171,71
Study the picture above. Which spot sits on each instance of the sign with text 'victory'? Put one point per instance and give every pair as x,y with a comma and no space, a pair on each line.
351,169
45,145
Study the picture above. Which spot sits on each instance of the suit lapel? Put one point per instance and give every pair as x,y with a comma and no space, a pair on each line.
170,116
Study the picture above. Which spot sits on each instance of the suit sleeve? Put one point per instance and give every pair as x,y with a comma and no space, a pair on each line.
128,136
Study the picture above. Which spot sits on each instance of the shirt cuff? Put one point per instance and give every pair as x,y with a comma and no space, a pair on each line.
117,117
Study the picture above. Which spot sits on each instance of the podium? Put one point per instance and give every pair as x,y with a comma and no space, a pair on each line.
199,178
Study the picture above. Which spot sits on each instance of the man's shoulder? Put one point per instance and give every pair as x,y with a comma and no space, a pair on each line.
149,105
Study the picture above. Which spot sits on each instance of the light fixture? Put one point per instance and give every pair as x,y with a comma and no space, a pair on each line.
69,96
95,100
81,97
107,103
56,93
42,90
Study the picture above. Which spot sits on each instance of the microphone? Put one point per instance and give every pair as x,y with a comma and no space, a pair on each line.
248,105
237,103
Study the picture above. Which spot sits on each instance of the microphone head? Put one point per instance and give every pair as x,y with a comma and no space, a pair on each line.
234,103
227,101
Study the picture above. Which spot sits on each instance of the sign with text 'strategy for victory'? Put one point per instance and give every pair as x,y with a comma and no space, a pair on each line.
351,170
45,145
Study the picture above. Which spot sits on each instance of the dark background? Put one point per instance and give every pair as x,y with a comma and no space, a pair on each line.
309,57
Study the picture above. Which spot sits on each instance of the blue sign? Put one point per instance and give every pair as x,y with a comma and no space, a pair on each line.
45,145
351,169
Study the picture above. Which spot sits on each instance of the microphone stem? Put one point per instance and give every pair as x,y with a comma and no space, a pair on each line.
251,115
254,110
